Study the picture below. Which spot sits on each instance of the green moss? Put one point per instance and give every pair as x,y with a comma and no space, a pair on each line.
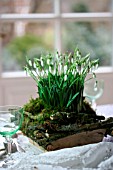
44,125
34,106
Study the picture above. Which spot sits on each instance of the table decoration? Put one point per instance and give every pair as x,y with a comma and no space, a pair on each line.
60,115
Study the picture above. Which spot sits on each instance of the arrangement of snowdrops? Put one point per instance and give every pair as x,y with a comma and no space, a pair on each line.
60,78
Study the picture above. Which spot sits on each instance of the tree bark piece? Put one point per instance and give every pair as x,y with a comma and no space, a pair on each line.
79,139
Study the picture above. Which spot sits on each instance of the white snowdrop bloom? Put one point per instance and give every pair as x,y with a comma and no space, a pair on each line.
47,72
82,67
60,67
34,65
52,63
65,77
37,70
34,73
84,64
73,72
93,68
65,69
87,60
42,73
42,63
50,69
72,60
96,66
54,71
57,56
77,53
78,69
48,61
30,63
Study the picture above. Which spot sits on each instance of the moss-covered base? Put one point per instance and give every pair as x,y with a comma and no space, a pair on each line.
45,126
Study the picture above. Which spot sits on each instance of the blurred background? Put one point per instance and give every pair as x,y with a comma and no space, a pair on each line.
31,27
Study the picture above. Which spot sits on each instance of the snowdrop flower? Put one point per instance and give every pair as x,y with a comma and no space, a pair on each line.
48,61
77,53
65,69
42,73
37,70
30,63
60,68
54,71
42,63
34,72
93,68
96,66
46,72
57,56
78,67
72,60
50,69
68,60
73,72
82,67
65,77
34,65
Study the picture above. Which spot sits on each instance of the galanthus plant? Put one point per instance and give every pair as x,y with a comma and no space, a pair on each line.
60,79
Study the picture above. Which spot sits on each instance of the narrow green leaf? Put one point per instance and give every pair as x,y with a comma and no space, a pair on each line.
70,101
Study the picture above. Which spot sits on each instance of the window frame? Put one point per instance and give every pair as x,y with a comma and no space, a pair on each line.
58,17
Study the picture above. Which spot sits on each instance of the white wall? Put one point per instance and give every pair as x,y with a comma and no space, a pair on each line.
17,91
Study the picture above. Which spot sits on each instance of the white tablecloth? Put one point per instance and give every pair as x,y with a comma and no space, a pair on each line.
88,157
105,110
